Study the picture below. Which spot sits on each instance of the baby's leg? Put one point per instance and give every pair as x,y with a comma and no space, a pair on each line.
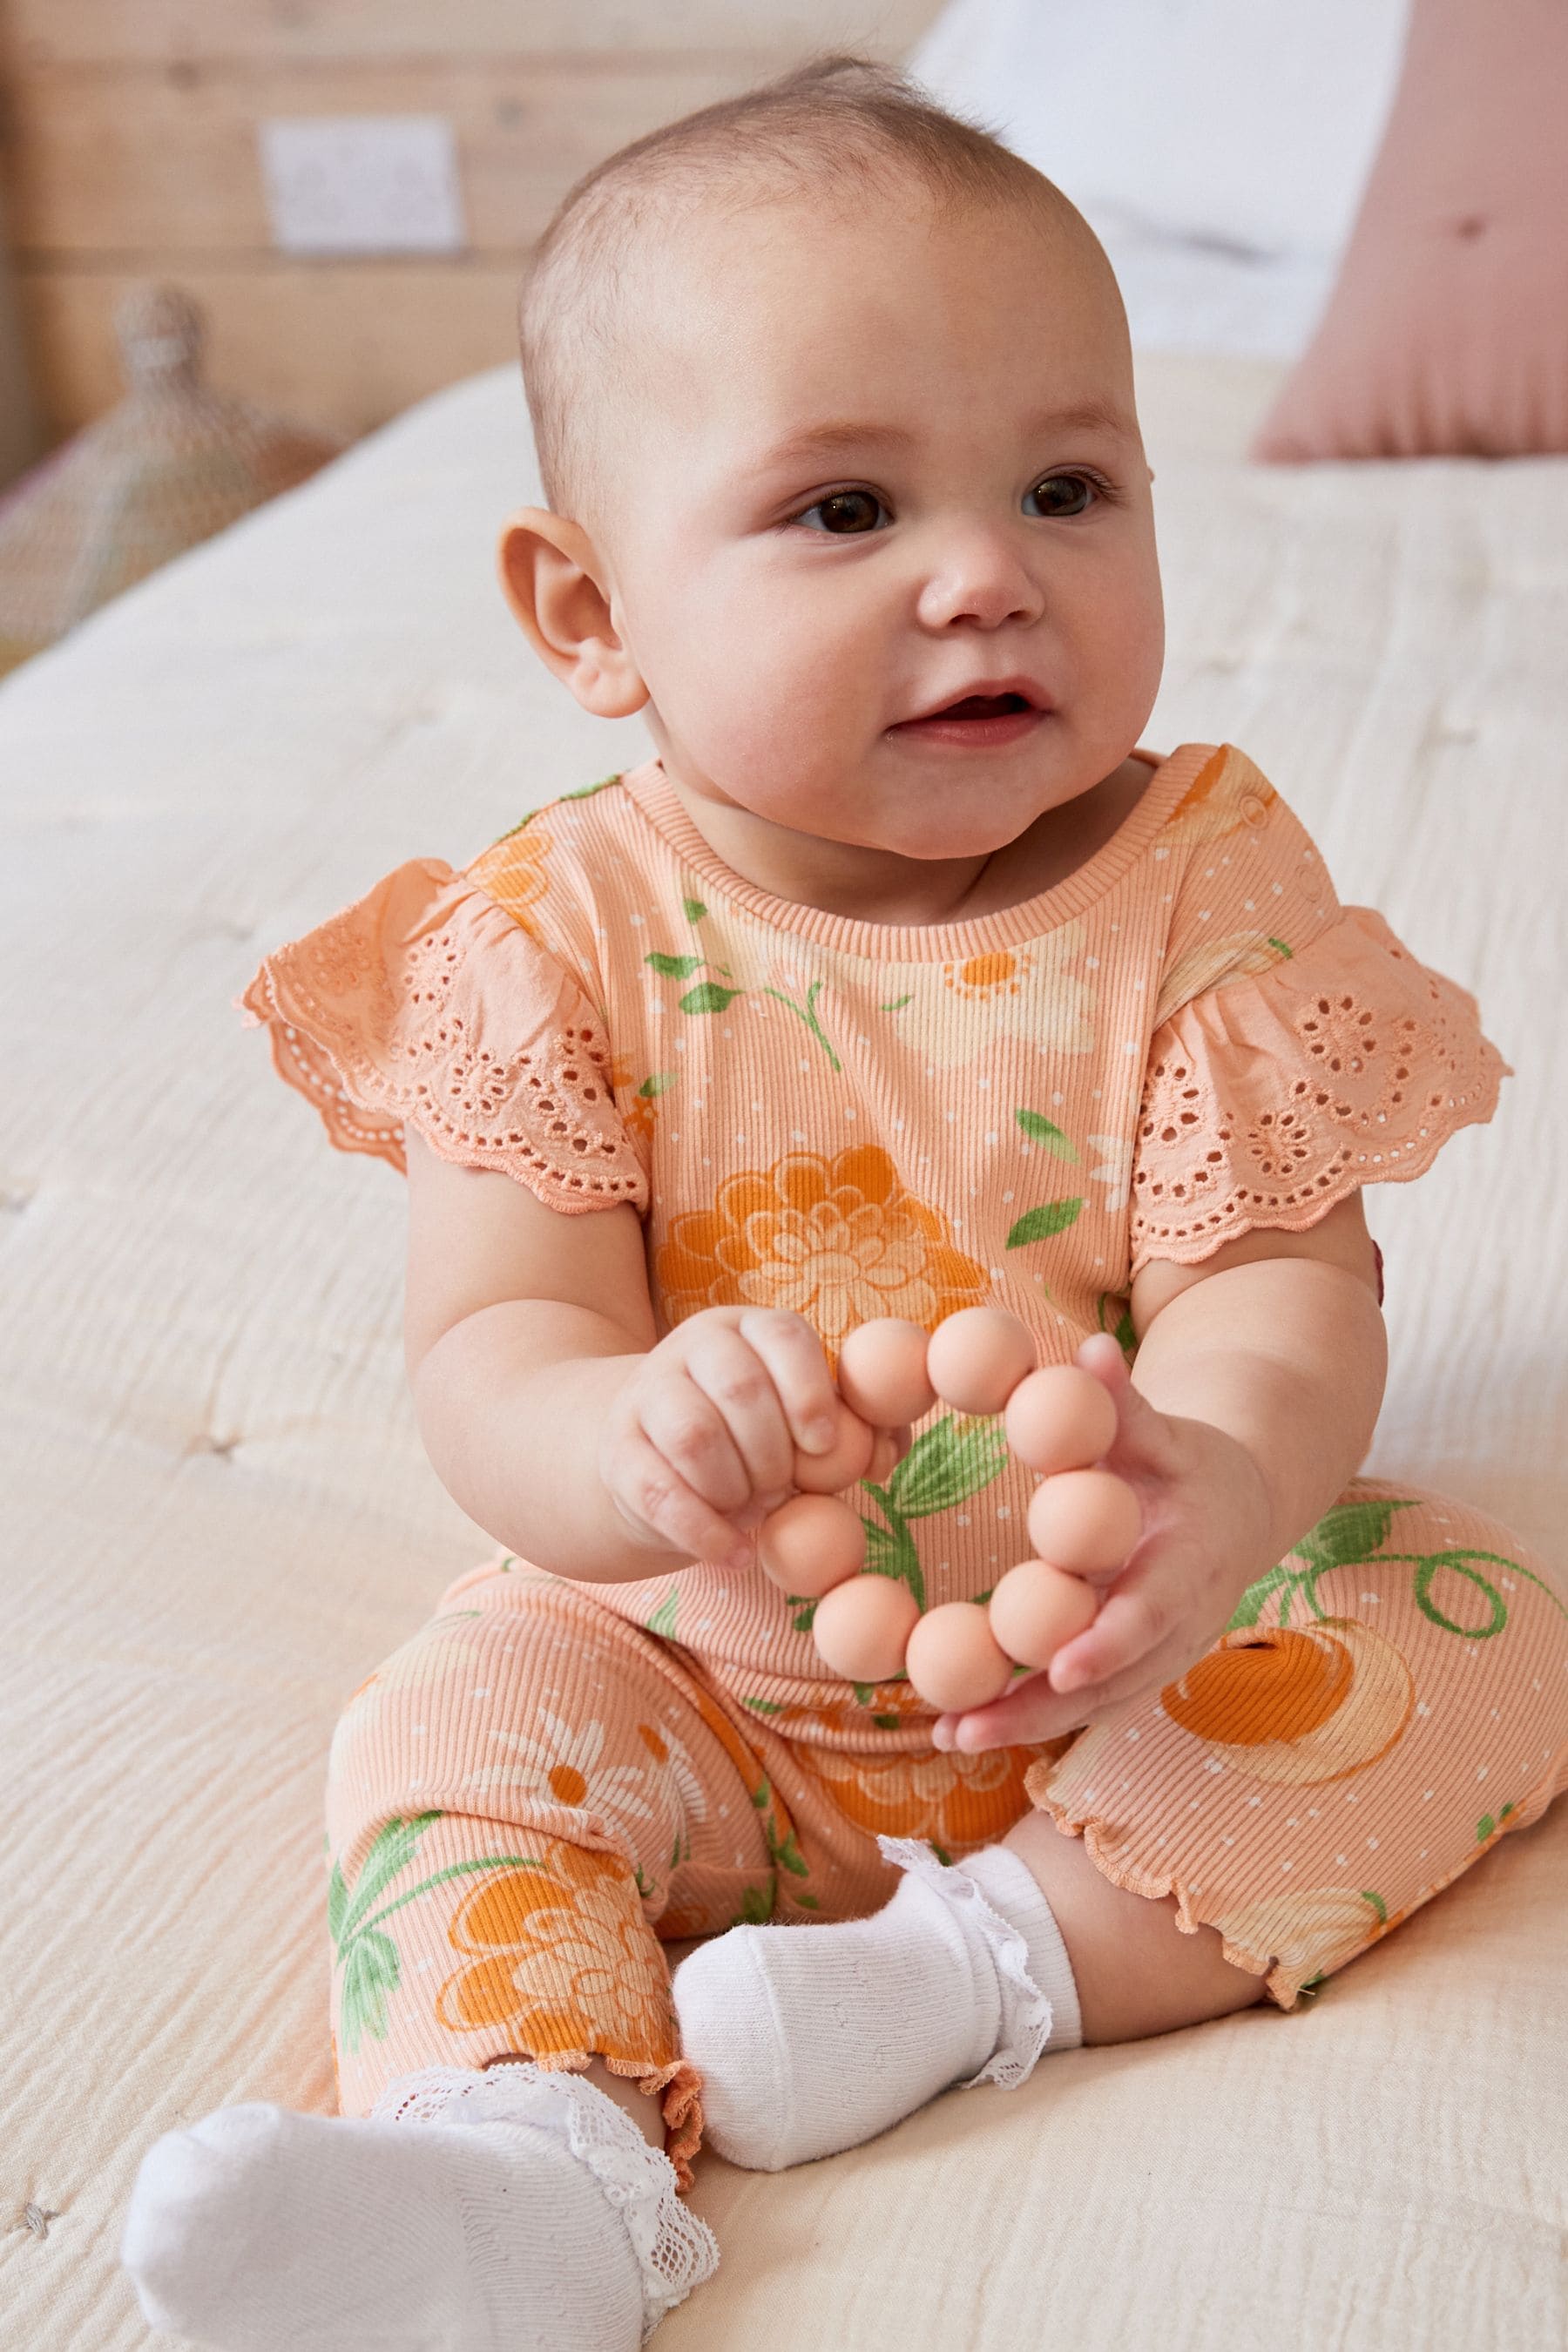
1390,1702
511,1798
1134,1973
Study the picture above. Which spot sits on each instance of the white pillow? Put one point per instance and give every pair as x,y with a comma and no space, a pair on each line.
1247,124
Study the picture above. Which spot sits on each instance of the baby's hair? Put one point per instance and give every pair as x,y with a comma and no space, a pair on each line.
837,123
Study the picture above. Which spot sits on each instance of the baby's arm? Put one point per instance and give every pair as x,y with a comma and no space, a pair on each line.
553,1413
1252,1402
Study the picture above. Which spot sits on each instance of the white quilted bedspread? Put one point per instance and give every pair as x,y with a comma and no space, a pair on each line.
218,1517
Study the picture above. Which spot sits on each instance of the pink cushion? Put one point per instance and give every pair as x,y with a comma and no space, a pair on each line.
1447,334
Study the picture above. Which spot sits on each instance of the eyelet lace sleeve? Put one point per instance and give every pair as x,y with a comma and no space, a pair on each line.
426,1004
1272,1096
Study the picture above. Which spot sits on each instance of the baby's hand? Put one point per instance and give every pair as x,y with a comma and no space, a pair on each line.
1206,1529
700,1442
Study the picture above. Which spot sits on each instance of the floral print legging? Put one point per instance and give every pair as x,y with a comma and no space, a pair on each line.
534,1794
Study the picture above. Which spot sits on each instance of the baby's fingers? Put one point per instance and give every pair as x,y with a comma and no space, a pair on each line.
1143,1611
649,1491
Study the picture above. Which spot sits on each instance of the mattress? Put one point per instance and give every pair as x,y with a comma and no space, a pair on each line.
218,1517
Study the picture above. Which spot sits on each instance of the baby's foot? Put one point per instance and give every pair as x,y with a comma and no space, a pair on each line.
514,2211
813,2039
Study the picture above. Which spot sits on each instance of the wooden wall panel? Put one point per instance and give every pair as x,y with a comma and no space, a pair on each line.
128,150
60,31
133,160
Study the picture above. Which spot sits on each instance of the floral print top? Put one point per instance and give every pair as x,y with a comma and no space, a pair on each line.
1186,1038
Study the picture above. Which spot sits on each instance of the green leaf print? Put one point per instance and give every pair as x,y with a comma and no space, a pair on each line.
898,1003
695,909
808,1016
1040,1130
784,1850
337,1904
1351,1535
390,1851
1487,1827
891,1551
709,997
805,1612
674,967
1378,1905
371,1971
662,1622
1250,1607
948,1462
1459,1564
756,1907
763,1705
1347,1535
657,1083
367,1956
1040,1225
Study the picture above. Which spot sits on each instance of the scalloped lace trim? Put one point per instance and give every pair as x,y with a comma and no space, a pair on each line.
424,1003
676,2250
1026,2013
1267,1100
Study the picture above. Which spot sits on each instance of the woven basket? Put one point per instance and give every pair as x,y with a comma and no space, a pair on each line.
168,467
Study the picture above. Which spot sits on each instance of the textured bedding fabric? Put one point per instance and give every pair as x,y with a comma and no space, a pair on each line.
217,1515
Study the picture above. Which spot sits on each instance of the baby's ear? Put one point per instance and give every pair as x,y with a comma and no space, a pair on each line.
552,576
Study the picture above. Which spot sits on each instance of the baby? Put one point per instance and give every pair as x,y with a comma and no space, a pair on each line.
900,980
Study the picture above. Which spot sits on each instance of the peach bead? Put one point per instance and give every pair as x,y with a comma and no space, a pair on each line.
882,1371
1037,1610
1060,1418
862,1627
954,1660
812,1543
977,1357
1086,1521
845,1462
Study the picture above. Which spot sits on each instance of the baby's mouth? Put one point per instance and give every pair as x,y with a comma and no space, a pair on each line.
983,706
987,719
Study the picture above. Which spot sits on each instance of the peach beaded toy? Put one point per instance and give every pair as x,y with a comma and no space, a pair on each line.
1082,1521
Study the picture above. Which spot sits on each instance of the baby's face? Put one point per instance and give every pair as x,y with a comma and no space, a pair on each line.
852,490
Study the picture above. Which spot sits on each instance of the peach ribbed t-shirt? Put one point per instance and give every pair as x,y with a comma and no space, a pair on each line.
1187,1038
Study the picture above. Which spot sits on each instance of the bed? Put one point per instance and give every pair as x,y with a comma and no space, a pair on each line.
217,1515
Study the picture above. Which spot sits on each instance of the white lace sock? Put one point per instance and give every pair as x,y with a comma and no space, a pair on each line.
514,2211
813,2039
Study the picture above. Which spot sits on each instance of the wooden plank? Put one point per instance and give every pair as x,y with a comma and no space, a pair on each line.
114,159
346,345
267,31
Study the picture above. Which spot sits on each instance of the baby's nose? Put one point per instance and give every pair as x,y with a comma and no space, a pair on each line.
984,581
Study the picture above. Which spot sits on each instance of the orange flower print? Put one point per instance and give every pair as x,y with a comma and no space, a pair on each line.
515,873
639,1109
1296,1705
1226,794
956,1802
559,1957
838,1241
954,1011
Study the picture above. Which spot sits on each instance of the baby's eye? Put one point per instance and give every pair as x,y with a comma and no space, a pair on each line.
845,513
1058,492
